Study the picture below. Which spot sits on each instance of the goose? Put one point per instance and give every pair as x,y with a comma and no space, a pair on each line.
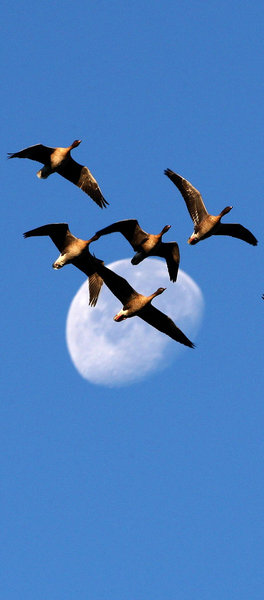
72,251
135,304
146,244
205,224
59,160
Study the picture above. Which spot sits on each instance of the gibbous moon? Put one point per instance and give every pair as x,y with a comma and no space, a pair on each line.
114,354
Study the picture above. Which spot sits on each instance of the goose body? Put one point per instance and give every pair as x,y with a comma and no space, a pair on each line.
135,304
59,160
205,224
146,244
72,251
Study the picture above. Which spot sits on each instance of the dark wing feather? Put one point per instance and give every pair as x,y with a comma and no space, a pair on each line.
88,264
129,228
191,195
83,178
170,251
95,283
38,152
237,231
58,232
163,323
116,284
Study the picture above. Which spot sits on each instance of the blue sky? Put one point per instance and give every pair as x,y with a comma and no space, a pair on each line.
154,490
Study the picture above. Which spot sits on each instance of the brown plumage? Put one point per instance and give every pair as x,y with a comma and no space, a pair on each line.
146,244
59,160
72,251
135,304
205,224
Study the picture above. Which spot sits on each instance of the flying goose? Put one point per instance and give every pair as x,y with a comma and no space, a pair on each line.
72,251
205,224
59,160
146,244
135,304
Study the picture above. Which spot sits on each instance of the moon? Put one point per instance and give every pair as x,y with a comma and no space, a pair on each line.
115,354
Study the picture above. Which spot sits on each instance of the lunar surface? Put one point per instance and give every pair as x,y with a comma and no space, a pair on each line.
114,354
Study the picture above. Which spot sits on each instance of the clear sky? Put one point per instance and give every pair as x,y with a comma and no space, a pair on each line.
153,490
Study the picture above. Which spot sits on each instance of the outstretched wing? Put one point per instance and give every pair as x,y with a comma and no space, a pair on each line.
58,232
160,321
129,228
116,284
38,152
83,178
170,251
191,195
237,231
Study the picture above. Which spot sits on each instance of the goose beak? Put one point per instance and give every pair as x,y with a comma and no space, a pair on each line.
120,316
192,240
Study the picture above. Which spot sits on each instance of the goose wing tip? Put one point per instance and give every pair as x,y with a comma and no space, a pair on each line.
104,203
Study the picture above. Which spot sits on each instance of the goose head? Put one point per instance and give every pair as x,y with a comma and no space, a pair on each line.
159,291
76,143
121,315
193,239
225,211
165,229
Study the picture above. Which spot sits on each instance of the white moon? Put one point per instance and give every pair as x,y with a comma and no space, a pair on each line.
113,354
